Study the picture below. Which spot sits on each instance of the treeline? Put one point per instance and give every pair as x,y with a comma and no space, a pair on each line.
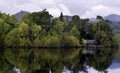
40,29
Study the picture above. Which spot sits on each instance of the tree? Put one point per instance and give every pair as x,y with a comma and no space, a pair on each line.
42,18
0,14
74,32
52,42
35,35
36,30
12,38
27,19
37,43
61,16
103,33
4,29
18,36
23,30
59,26
99,18
75,20
12,20
117,38
70,41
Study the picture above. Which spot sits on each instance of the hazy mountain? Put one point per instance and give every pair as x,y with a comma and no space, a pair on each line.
114,25
93,19
113,17
114,21
67,18
20,14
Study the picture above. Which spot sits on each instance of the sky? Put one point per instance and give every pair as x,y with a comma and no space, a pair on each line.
83,8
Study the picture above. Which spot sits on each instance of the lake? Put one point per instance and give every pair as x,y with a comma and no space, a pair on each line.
57,60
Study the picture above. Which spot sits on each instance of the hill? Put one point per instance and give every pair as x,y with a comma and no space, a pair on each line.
20,14
113,18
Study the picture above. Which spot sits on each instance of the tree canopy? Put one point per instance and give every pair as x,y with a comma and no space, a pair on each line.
40,29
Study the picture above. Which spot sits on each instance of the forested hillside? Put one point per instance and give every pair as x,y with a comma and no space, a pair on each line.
40,29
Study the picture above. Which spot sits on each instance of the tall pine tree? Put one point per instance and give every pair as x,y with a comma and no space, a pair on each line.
61,16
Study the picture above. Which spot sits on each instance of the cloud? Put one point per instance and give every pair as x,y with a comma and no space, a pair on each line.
55,7
64,9
84,8
28,7
100,10
55,11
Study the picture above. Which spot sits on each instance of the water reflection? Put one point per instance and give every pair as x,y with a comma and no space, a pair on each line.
54,60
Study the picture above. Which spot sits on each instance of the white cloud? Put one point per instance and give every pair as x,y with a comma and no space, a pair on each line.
55,7
28,7
86,8
55,11
100,10
43,3
64,9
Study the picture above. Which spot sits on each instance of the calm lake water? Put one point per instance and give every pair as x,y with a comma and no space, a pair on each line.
73,60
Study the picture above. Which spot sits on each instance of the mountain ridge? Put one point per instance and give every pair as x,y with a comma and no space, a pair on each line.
113,17
20,14
110,17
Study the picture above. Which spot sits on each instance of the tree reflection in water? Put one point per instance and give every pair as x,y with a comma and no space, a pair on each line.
54,60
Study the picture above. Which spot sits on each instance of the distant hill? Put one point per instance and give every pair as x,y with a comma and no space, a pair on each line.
114,25
20,14
113,18
93,19
67,18
114,21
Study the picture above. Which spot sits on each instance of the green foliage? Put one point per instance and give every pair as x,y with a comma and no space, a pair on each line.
117,38
74,31
9,19
23,30
36,30
61,16
42,18
54,60
99,18
59,26
52,42
102,33
12,38
70,41
117,56
4,29
39,29
27,19
75,19
12,20
37,42
18,36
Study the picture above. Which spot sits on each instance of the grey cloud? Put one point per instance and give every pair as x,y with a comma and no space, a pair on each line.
72,7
